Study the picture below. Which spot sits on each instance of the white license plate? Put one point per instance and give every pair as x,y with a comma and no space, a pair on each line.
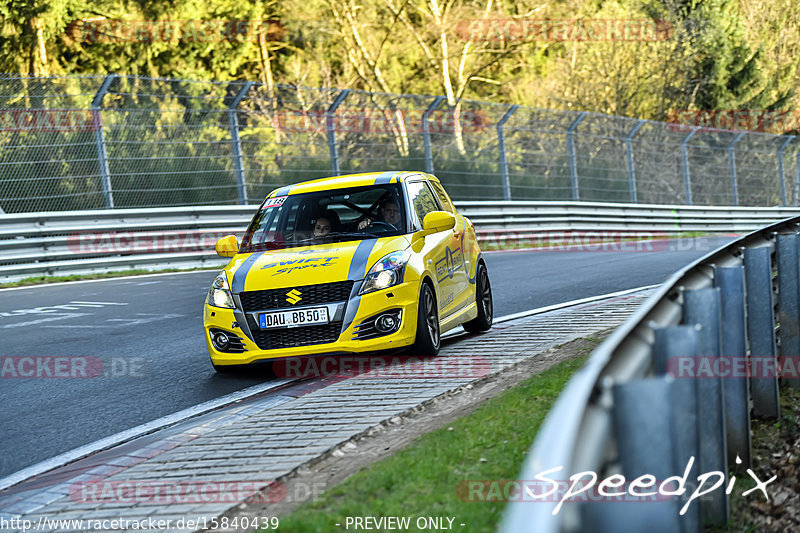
294,318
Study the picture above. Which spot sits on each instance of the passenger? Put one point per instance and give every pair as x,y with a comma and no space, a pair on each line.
326,223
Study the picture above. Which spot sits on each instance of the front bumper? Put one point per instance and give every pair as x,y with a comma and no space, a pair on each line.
403,297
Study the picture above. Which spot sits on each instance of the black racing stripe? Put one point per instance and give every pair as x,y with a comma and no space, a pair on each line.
357,271
385,178
241,273
283,191
358,264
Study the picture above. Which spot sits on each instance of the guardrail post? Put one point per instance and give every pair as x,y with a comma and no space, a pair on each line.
643,419
789,298
671,346
732,164
426,133
687,180
233,121
573,166
780,170
331,125
761,331
736,392
501,146
702,307
100,141
629,159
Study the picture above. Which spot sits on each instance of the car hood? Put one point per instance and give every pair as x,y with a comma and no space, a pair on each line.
310,265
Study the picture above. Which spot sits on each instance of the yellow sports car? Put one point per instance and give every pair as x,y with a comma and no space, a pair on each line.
345,265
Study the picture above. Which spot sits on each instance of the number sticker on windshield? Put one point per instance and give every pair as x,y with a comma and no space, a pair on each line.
274,202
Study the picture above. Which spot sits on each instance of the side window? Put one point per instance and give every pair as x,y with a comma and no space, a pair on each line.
447,205
421,199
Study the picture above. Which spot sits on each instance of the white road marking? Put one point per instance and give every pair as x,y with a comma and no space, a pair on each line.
62,283
122,321
48,318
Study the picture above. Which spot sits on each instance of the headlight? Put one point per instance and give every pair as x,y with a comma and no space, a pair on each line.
220,293
388,271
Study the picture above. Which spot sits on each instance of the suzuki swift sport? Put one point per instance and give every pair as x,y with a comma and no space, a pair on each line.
344,265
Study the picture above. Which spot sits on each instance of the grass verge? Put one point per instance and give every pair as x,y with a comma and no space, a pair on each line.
44,280
423,478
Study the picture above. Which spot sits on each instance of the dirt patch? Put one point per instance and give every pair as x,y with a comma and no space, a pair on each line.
390,436
776,452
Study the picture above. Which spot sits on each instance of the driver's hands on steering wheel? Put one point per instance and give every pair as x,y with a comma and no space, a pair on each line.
364,223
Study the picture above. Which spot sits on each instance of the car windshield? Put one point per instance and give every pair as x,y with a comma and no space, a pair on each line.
326,216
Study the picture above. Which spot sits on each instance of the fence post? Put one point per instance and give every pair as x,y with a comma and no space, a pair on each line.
233,121
780,170
687,181
501,146
573,167
426,133
629,158
100,141
332,130
732,164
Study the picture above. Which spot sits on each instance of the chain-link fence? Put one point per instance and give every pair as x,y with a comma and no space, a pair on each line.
120,141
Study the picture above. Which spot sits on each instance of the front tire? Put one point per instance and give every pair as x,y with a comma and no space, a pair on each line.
428,339
483,297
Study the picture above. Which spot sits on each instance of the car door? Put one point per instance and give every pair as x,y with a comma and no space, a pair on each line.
461,249
438,250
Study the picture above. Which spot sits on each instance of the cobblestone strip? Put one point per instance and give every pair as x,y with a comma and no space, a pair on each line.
202,470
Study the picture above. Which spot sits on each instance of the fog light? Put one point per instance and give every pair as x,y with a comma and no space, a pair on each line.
386,323
220,340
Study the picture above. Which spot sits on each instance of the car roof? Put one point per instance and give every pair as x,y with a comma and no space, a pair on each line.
350,180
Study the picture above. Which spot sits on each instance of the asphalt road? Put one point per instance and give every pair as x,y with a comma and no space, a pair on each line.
143,337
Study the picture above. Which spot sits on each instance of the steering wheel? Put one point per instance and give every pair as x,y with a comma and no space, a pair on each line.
377,226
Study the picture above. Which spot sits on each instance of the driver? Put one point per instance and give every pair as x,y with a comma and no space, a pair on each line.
389,212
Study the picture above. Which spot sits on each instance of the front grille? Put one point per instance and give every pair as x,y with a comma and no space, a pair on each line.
324,293
303,336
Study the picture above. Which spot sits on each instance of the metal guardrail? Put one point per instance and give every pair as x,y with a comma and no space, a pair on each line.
79,242
631,411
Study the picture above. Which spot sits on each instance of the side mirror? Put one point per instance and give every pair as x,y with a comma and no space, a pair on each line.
437,221
227,246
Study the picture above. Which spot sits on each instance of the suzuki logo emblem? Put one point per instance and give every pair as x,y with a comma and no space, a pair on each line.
294,296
